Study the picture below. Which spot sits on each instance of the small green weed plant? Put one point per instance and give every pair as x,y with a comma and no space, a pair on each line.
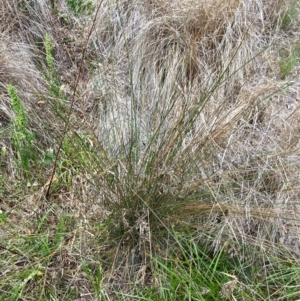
49,59
80,6
55,85
22,138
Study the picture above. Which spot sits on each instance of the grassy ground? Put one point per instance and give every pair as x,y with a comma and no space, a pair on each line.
149,150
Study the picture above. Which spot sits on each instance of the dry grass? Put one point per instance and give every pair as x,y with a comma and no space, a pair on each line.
176,53
181,119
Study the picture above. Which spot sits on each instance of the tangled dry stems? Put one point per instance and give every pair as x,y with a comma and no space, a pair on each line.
187,113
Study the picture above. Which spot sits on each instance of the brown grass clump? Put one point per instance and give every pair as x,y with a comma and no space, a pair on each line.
181,117
206,67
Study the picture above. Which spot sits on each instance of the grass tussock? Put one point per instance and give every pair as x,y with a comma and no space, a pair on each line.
145,141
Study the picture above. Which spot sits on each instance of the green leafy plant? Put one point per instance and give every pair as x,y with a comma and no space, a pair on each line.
22,138
3,217
55,86
48,157
49,58
80,6
56,89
